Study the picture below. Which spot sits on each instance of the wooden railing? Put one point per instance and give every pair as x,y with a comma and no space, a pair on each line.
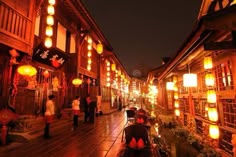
14,24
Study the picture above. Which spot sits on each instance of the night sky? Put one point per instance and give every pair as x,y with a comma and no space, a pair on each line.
142,32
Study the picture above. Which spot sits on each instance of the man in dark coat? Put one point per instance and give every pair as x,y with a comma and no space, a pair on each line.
92,105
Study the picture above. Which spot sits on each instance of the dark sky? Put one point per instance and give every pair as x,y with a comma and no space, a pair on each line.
141,32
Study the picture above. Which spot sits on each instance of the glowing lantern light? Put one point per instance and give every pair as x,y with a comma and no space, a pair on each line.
50,20
113,67
89,67
46,74
212,114
52,2
214,131
51,10
90,41
190,80
211,96
175,88
176,95
108,84
208,63
89,54
48,42
170,85
89,47
177,112
27,70
209,80
76,81
176,104
49,31
89,60
99,48
174,79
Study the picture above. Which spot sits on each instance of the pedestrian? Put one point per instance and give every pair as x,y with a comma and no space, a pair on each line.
76,110
49,115
92,105
86,110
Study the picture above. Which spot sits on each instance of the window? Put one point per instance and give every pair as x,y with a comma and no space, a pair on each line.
224,77
229,112
199,128
72,44
61,37
225,141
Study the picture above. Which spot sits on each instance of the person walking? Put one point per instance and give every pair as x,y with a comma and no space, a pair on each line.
49,115
76,110
92,105
86,110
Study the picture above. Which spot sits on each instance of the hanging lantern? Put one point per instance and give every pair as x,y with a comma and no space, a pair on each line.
89,54
99,48
108,84
170,85
46,74
208,63
175,88
174,79
209,79
52,2
212,114
27,70
89,60
177,112
113,67
214,131
176,104
51,10
176,95
88,67
49,31
77,81
90,41
211,96
190,80
48,42
89,47
50,20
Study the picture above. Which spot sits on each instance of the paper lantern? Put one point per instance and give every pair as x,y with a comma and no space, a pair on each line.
177,112
89,54
99,48
48,42
176,95
90,41
210,80
89,60
113,67
49,31
190,80
170,85
176,104
214,131
50,20
51,10
208,63
52,2
88,67
77,81
27,70
211,96
212,114
46,74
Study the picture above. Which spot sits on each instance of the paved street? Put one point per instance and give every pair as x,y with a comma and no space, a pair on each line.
100,139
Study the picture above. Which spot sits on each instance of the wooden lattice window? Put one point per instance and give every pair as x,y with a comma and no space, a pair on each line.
229,112
199,128
225,141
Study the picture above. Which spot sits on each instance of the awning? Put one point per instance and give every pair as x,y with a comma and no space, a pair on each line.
53,56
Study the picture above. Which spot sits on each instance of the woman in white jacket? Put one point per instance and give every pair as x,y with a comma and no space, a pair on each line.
76,110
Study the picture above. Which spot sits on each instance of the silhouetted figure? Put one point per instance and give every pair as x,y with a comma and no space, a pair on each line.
91,108
49,115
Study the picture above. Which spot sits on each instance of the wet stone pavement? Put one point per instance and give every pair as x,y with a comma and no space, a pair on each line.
101,139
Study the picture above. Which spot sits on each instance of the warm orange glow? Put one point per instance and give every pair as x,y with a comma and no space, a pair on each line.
52,2
50,20
48,42
208,63
176,104
177,112
176,96
89,60
49,31
88,67
113,67
212,114
210,79
51,10
211,96
46,74
27,70
90,41
77,81
89,47
108,84
99,48
174,79
214,131
89,54
190,80
170,85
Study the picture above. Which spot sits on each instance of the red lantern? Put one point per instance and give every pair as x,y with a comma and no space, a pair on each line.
55,63
46,74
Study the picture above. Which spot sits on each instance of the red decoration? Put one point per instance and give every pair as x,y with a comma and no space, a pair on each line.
55,63
46,74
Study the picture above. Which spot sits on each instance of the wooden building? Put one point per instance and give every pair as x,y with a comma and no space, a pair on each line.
74,35
212,40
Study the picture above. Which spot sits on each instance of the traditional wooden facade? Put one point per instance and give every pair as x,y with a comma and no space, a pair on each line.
213,36
22,29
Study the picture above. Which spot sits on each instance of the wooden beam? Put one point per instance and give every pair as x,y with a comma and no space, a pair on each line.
224,45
